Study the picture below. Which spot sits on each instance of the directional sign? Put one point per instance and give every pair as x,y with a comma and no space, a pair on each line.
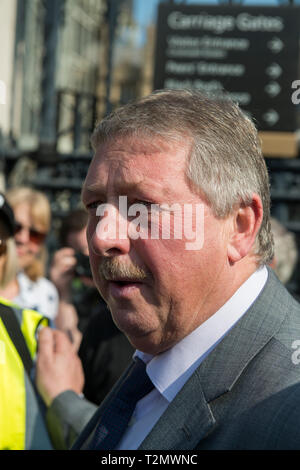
250,52
273,89
275,45
271,117
274,70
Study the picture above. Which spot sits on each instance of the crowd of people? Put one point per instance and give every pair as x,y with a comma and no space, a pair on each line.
58,291
193,347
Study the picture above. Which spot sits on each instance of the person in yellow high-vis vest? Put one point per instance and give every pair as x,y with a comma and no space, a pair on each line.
22,423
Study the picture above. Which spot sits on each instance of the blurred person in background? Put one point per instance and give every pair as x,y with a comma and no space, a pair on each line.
286,251
30,288
72,277
103,349
22,423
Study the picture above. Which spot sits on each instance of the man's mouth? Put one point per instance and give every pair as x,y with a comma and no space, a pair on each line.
129,281
124,287
123,279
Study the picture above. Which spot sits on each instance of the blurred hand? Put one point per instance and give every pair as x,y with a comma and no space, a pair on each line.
62,271
58,366
67,321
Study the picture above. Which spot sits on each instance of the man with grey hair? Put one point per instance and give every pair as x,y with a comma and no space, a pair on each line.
214,329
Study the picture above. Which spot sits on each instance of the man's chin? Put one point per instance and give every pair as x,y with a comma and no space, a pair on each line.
140,333
148,344
148,340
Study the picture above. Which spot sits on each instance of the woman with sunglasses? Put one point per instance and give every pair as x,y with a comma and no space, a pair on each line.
30,288
22,421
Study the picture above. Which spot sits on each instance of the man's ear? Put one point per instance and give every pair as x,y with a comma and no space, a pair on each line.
246,222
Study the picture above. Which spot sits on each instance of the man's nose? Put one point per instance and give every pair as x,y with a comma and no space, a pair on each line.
110,234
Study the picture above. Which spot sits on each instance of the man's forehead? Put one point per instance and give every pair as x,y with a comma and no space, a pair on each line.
125,164
122,180
114,170
127,148
124,153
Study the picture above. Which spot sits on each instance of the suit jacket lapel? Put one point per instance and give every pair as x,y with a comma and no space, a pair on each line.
185,422
189,418
224,365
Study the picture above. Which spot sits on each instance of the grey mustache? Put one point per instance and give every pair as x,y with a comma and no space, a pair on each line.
112,269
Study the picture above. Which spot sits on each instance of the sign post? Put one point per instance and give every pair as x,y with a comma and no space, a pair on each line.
251,53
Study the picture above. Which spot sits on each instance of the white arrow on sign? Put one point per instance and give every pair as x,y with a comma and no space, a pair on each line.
273,89
274,70
275,45
271,117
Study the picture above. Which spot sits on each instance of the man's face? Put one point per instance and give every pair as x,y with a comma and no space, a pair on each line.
159,291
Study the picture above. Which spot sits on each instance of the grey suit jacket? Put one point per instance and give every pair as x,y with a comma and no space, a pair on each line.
245,394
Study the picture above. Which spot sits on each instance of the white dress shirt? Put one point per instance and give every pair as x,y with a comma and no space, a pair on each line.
170,370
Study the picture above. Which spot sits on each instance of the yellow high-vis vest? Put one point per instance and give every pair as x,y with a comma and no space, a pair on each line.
13,393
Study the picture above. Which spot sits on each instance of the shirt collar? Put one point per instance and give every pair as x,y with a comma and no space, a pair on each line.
170,370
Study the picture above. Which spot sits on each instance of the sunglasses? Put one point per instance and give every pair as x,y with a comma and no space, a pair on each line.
34,235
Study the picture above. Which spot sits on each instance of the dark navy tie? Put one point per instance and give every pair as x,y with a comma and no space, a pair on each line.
115,418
